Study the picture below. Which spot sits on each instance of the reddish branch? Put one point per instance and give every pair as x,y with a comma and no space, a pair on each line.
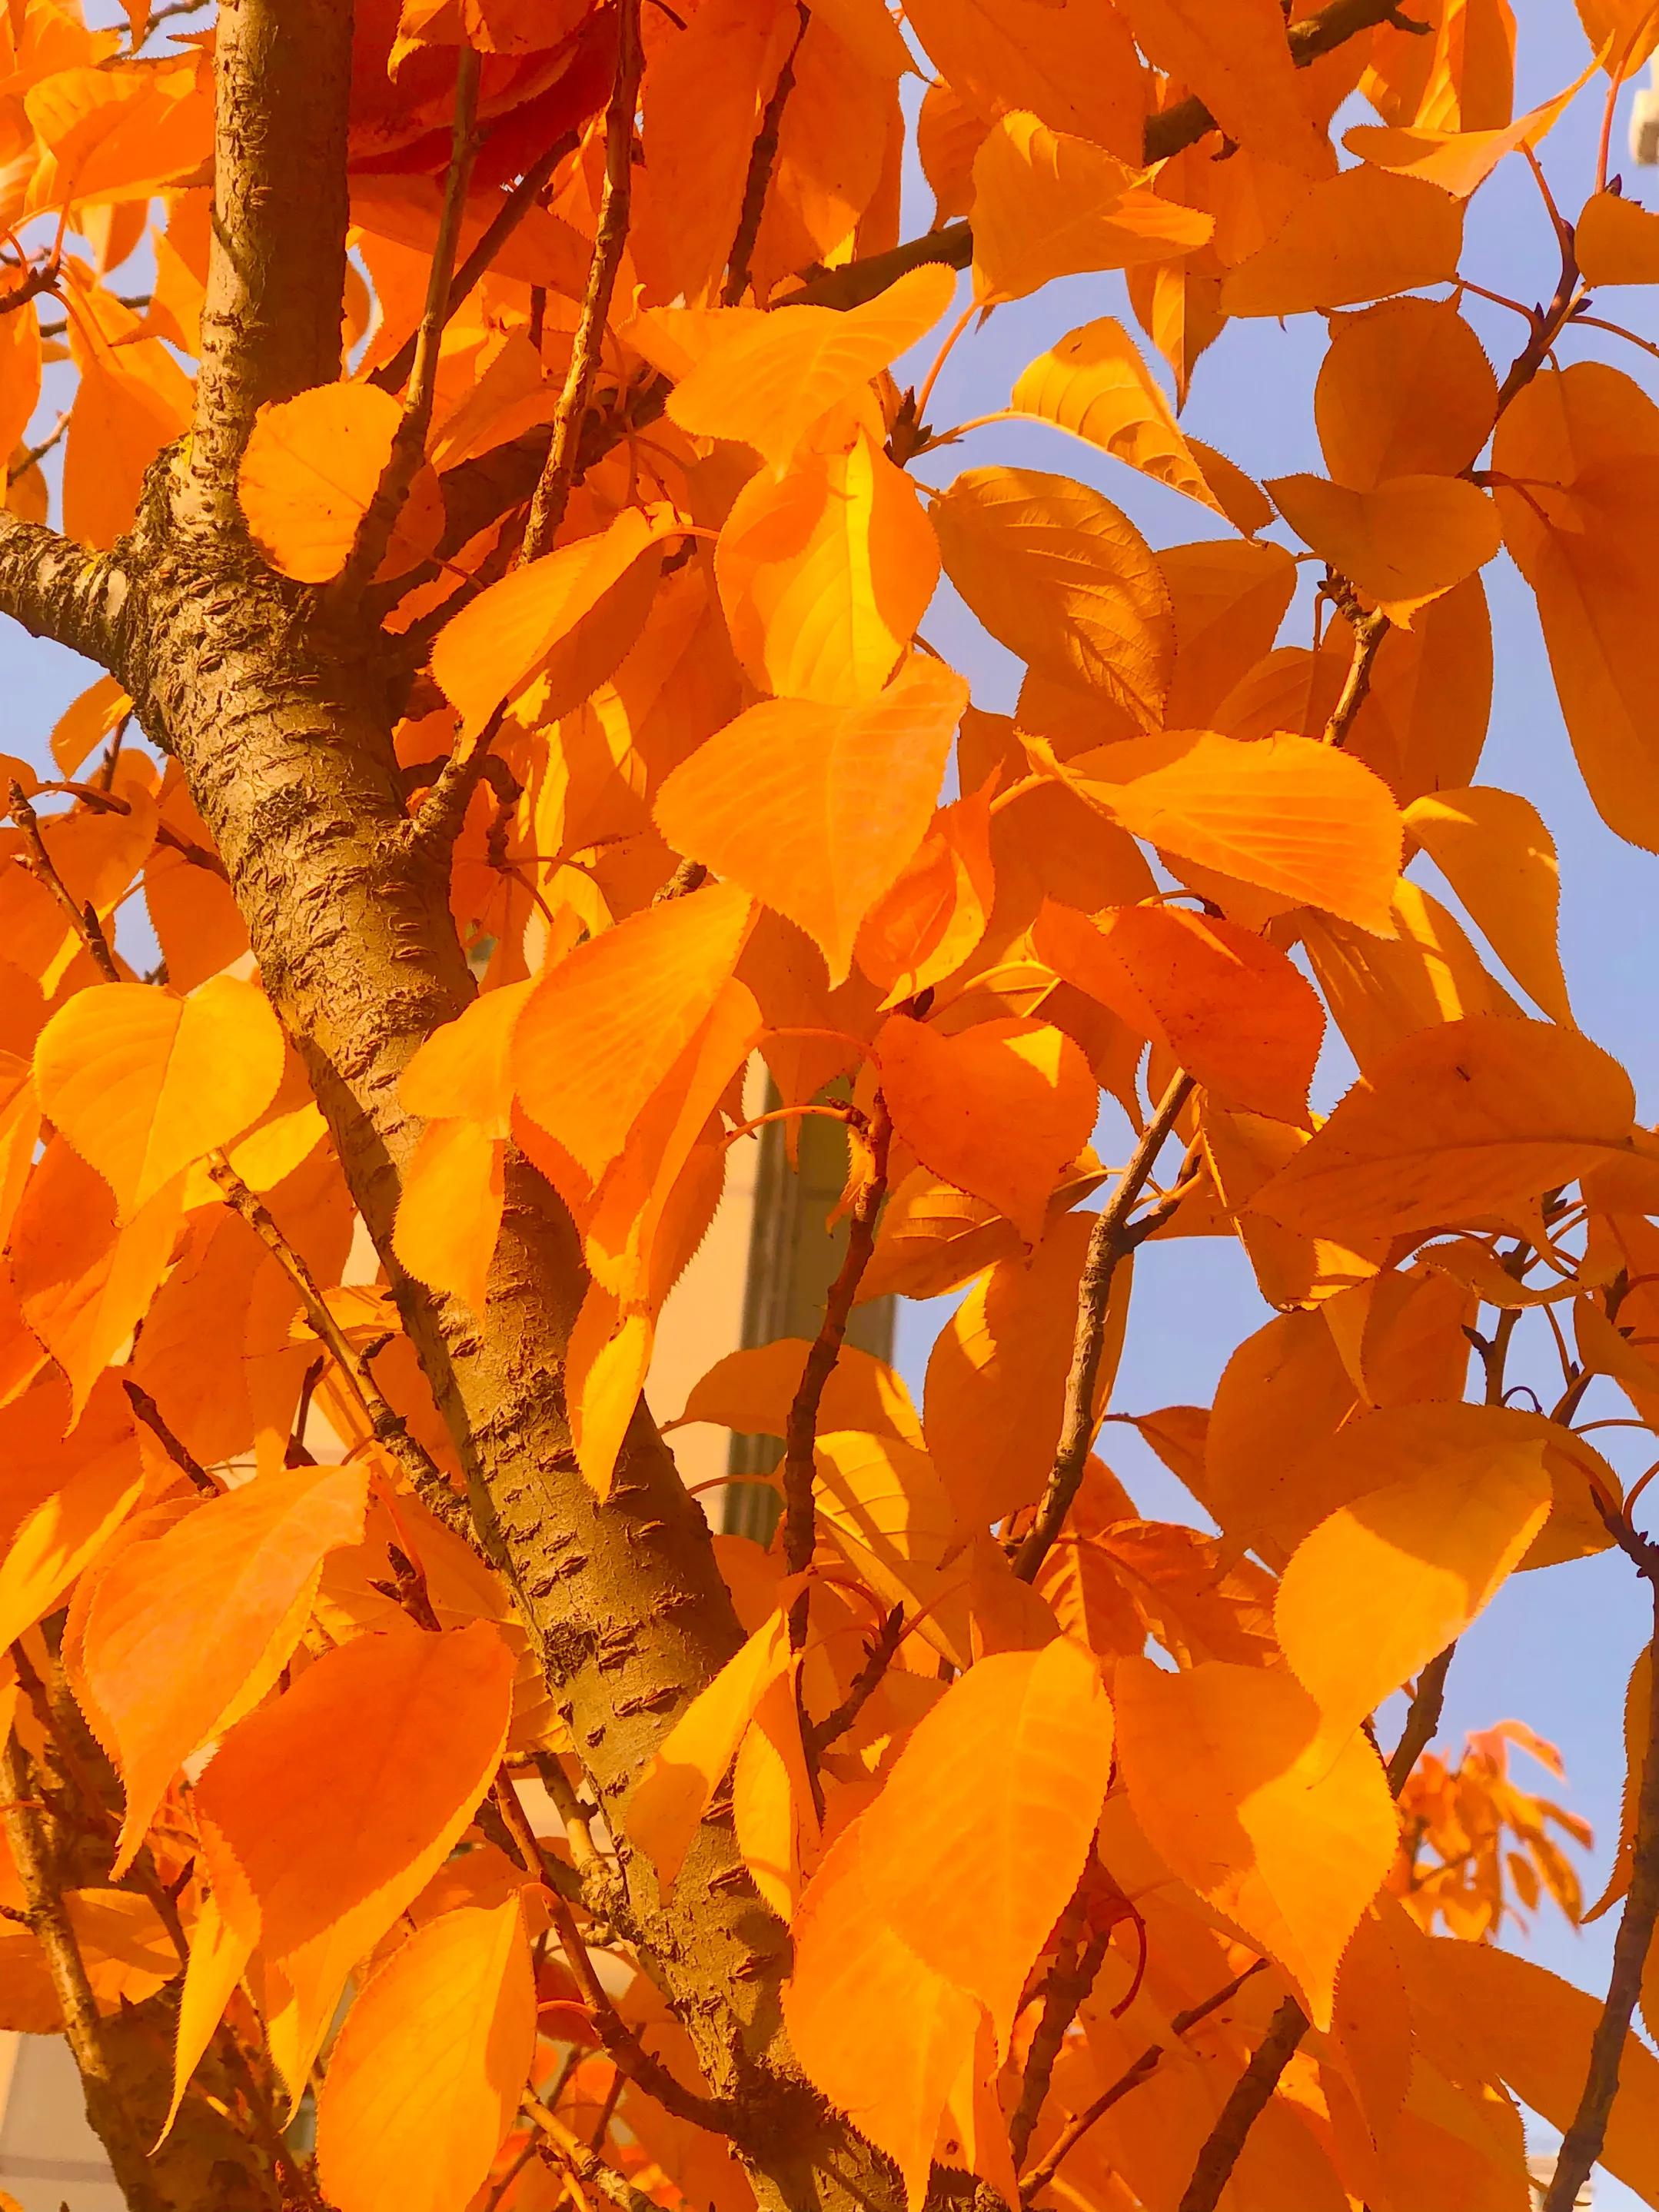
762,156
1112,1237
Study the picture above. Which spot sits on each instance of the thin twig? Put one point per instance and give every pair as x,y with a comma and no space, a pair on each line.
761,156
409,446
88,927
817,1738
1250,2096
1582,2145
1422,1720
802,1427
179,1453
389,1427
1107,1246
553,493
589,2168
437,821
1370,628
1071,2134
391,374
1066,1986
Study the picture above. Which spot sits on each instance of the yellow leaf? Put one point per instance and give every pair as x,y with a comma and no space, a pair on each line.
1382,990
1457,1122
426,2077
816,809
449,1214
1495,851
773,1815
511,630
1406,390
1234,56
310,470
931,917
464,1068
1047,205
1364,234
604,1026
998,1109
88,721
143,1084
1403,543
1457,159
1298,818
98,1481
1617,241
1064,579
669,1801
1372,1594
1228,1777
773,376
1624,33
1229,600
1582,448
825,573
1094,383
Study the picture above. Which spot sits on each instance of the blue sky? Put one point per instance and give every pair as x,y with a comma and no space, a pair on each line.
1555,1648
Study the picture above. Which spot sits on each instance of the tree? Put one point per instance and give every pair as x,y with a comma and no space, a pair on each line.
515,727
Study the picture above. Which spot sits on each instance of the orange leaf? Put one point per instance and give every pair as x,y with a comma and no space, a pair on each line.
996,1380
397,1737
1495,851
1403,543
1298,818
1075,65
1373,1592
1455,1123
1459,159
604,1026
427,2075
142,1084
206,1614
450,1213
310,470
771,377
97,1478
1047,205
1362,235
1233,55
1617,241
1064,579
1406,390
1228,1777
668,1803
997,1110
511,629
816,809
929,921
824,574
1228,1007
751,1390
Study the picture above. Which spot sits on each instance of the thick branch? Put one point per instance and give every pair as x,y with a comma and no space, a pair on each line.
57,589
1108,1240
271,321
27,1835
1582,2146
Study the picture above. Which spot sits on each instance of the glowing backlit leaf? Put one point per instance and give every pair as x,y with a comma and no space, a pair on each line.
1094,383
143,1084
182,1621
429,2069
1047,205
1233,55
311,468
1495,851
1364,234
1377,1590
816,809
1228,1777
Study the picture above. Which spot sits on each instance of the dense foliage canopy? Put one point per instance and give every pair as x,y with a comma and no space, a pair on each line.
505,528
